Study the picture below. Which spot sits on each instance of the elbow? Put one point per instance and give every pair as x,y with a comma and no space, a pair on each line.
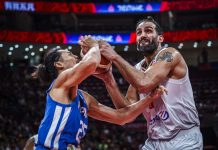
120,120
124,118
145,87
124,121
139,84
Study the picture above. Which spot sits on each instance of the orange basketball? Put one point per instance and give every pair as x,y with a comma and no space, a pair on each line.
104,61
104,65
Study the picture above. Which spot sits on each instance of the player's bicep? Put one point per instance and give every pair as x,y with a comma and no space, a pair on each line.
162,67
158,72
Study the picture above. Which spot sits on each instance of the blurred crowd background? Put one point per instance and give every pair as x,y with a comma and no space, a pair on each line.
29,27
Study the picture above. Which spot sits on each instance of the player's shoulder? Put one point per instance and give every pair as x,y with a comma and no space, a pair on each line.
169,56
171,49
170,52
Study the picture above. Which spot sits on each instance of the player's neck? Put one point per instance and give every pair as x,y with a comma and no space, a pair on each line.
151,57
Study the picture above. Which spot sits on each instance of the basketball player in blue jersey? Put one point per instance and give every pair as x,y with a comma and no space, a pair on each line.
65,120
172,120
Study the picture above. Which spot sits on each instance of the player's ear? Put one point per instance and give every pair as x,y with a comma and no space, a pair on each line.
160,38
58,64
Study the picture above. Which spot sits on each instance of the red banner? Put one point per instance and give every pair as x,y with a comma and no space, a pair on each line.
33,37
63,7
191,35
188,5
48,7
61,38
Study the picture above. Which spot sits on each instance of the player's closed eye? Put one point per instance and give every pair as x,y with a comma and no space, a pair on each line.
148,31
138,32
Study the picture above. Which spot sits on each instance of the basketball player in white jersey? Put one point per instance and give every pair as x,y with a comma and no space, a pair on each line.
172,120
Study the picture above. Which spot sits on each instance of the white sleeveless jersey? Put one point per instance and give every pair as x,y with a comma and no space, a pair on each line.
173,112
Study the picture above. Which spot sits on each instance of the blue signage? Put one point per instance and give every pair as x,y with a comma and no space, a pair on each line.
128,8
82,7
111,38
19,6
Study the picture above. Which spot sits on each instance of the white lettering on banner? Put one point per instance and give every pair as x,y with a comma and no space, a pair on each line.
8,6
108,38
19,6
126,8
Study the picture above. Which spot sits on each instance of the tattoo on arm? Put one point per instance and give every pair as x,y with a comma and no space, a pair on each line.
166,56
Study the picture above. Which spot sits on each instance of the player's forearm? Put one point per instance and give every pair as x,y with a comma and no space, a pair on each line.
130,112
93,55
131,74
91,60
136,78
117,98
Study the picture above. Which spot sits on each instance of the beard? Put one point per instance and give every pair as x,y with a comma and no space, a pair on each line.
149,49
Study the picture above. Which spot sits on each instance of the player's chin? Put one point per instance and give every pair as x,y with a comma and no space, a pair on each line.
144,45
73,64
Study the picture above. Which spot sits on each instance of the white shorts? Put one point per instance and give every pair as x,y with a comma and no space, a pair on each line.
190,139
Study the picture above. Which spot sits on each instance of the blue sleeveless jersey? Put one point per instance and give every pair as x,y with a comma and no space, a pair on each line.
63,124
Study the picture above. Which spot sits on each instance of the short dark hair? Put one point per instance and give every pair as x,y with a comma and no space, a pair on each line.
47,71
150,19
